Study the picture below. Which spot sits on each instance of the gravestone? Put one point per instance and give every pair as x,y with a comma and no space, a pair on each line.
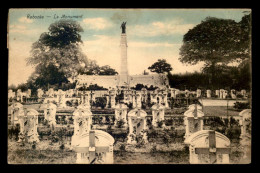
172,91
187,93
243,93
120,114
50,114
225,94
11,94
233,94
137,126
193,119
208,147
40,93
217,93
82,124
16,110
158,112
85,99
245,121
51,92
208,93
154,97
28,126
144,95
198,93
19,95
159,98
138,99
28,93
165,98
61,99
221,93
94,147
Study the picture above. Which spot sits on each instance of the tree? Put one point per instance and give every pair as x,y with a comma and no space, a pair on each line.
160,66
215,42
59,47
94,69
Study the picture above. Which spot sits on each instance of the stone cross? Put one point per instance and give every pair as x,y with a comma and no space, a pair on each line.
153,97
50,114
28,93
193,119
214,145
19,95
208,93
137,125
225,94
158,114
96,147
28,125
187,93
120,114
144,95
165,98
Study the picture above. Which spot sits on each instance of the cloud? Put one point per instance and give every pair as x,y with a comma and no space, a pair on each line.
24,30
162,28
25,20
96,23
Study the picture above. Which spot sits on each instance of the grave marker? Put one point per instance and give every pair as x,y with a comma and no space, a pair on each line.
208,146
158,112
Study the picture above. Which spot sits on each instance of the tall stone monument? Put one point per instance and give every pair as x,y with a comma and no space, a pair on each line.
123,78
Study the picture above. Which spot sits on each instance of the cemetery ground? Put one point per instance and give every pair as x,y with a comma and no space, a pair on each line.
165,146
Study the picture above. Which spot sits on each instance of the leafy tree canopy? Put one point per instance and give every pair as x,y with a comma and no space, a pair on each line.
160,66
216,41
59,47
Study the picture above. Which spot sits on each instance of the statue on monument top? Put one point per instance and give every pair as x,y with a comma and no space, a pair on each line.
123,27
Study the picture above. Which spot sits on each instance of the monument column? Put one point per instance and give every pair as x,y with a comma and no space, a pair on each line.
123,81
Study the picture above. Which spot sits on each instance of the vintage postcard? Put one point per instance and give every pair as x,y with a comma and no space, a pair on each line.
129,86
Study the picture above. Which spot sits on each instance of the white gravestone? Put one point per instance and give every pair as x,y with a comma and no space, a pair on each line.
187,93
208,93
158,114
51,92
61,99
40,93
225,94
143,95
11,94
208,147
28,93
108,100
159,98
28,125
138,99
173,92
50,114
193,120
221,93
198,93
137,125
82,124
153,97
95,147
134,100
19,95
85,99
165,98
243,93
120,114
16,110
244,121
245,136
233,94
217,93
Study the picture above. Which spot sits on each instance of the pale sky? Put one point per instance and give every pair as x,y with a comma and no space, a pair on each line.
152,34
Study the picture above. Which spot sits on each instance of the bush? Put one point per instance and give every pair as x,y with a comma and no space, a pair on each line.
101,102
